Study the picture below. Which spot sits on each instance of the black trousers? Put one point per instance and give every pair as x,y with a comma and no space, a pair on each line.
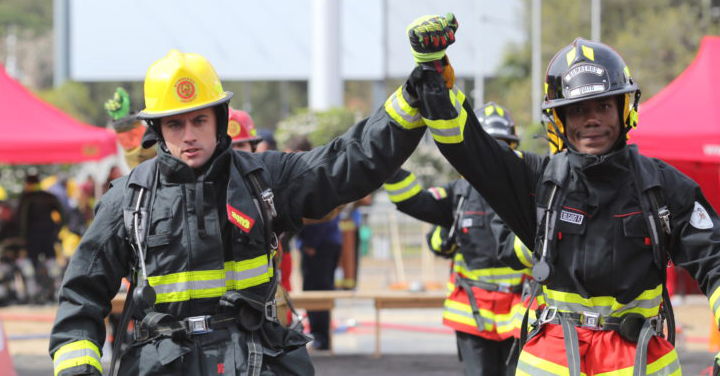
319,274
484,357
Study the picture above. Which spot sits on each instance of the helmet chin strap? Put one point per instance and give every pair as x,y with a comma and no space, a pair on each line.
561,135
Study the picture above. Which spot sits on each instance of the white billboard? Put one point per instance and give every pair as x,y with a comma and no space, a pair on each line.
117,40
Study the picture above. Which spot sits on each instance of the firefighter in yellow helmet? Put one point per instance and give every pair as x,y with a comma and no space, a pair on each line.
484,304
195,229
603,219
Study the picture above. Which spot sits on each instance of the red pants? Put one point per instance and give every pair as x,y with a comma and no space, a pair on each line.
601,353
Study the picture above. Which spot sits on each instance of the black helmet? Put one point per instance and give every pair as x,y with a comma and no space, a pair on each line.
586,70
498,122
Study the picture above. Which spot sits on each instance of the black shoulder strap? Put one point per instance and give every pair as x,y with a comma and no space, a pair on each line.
657,218
144,176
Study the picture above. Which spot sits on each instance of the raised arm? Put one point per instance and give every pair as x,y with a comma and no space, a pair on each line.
505,179
310,184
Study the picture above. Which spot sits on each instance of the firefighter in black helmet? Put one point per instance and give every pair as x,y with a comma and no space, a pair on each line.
484,304
602,218
194,227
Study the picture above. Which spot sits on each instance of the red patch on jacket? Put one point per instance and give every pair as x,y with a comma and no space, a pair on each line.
240,219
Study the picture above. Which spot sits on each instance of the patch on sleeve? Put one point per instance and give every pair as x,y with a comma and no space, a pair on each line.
438,193
700,219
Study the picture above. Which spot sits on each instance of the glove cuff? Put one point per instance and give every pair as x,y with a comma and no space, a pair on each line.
426,57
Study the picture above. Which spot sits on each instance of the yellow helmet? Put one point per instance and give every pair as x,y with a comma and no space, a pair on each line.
179,83
3,194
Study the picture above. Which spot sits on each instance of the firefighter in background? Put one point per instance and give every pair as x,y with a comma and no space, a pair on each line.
603,219
194,228
41,216
484,304
241,129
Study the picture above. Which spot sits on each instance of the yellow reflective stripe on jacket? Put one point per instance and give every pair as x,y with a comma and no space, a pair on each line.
403,189
646,304
491,275
715,303
462,313
400,110
531,365
75,354
522,252
197,284
450,131
247,273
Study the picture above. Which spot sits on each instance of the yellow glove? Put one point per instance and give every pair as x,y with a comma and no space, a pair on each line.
430,36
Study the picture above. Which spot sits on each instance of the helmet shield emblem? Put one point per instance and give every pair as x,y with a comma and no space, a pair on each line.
585,79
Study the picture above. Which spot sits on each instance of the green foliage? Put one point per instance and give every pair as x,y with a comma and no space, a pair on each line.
28,16
74,99
319,126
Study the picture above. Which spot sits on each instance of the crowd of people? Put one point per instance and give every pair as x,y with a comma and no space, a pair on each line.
39,230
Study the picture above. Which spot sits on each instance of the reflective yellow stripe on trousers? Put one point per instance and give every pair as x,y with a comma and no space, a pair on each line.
531,365
462,313
504,275
77,354
237,275
450,131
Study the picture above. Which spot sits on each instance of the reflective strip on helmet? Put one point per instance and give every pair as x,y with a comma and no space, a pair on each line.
715,303
490,275
668,364
522,252
74,354
588,52
570,56
178,287
400,110
647,303
450,131
531,365
403,189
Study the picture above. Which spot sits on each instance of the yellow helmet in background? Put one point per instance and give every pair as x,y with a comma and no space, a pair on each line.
3,194
179,83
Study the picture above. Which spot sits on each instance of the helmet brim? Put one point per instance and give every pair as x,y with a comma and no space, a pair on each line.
144,115
559,102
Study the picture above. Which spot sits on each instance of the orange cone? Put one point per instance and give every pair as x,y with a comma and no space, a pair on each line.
6,363
714,339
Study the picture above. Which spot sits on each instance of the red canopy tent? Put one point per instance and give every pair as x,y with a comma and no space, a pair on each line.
681,123
34,132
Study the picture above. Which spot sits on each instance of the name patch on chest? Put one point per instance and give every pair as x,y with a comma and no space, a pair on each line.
571,217
240,219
